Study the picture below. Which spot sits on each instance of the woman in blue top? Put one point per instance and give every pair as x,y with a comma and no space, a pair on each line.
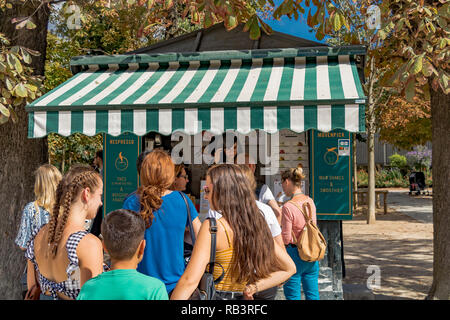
165,214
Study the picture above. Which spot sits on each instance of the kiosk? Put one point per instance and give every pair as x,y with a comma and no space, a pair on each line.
287,100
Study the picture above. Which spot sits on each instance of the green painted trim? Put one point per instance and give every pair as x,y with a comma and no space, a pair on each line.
195,105
218,55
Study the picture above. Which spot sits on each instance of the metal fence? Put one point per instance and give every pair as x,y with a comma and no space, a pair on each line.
382,151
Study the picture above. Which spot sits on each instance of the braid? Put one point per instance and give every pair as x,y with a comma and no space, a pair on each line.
62,220
81,180
55,213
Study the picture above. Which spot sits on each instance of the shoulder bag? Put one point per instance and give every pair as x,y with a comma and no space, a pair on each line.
206,289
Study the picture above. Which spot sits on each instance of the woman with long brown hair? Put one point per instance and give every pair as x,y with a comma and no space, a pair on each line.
165,213
252,260
62,253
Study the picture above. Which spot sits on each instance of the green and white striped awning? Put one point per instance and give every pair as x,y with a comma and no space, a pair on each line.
296,89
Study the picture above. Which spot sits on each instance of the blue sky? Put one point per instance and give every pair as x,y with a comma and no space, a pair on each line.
298,28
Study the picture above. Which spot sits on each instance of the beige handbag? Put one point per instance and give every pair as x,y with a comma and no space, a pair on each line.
311,244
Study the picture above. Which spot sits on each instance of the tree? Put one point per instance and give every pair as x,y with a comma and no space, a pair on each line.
402,123
20,156
345,23
416,40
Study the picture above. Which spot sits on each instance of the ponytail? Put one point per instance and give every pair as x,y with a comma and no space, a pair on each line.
295,175
157,175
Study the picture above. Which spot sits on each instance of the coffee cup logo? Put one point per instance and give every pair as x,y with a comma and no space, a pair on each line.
331,157
121,162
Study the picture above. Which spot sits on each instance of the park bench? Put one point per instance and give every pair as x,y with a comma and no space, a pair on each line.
360,197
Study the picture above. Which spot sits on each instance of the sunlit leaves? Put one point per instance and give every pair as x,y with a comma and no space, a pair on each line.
17,82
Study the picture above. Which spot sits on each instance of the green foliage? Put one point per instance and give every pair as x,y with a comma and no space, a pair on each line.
384,178
77,148
17,82
398,161
390,178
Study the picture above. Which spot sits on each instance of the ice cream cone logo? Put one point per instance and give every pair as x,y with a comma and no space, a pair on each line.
121,162
331,157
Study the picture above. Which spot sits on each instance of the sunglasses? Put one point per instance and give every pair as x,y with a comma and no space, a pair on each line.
206,190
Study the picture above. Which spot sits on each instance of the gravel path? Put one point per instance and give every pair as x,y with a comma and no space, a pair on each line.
399,245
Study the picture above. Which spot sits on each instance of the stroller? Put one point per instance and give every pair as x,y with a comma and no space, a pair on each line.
417,183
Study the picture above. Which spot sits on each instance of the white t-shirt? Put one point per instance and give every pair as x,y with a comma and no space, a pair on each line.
265,195
268,213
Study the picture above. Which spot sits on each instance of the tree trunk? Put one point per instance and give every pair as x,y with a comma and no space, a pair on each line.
371,148
355,170
20,156
440,119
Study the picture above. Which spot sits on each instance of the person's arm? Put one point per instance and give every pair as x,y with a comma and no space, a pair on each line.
196,266
194,215
279,239
276,209
286,225
266,196
275,278
197,225
31,278
90,256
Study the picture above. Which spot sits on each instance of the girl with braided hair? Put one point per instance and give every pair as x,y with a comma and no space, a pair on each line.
62,253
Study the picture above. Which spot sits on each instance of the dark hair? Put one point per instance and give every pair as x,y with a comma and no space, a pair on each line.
99,154
122,231
140,159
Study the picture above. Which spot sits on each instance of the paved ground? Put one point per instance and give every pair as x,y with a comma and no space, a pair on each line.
400,244
417,207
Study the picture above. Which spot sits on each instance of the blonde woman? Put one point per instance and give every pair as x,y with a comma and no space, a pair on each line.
37,213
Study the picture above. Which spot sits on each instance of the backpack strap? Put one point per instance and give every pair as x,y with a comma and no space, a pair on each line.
212,257
307,218
191,227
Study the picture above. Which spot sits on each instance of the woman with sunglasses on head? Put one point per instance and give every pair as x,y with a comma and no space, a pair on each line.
251,259
166,215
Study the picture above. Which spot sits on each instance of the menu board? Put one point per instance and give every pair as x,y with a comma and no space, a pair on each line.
120,176
331,187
